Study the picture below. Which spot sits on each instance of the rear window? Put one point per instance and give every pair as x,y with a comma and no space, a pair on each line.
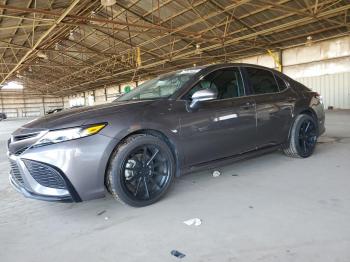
262,81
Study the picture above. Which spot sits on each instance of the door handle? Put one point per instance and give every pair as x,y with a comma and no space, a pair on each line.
248,105
291,99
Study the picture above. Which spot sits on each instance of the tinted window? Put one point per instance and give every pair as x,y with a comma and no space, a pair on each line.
262,81
226,82
281,84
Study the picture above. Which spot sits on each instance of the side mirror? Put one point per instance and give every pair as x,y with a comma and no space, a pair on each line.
202,95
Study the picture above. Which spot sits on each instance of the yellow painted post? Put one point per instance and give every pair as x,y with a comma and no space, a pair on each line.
276,59
138,56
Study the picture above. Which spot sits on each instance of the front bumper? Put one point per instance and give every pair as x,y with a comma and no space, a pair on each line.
81,163
22,180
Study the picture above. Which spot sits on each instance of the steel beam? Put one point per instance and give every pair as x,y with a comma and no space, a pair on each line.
41,39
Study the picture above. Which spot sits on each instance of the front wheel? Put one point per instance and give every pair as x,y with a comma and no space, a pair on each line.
141,170
303,137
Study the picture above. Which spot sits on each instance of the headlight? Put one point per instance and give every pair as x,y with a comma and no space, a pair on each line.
57,136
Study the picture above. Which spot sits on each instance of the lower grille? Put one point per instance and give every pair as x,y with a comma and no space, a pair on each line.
45,175
16,174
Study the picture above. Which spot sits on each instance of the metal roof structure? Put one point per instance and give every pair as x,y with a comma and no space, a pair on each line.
61,47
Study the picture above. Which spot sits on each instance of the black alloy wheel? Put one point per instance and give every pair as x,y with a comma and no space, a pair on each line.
303,137
307,136
146,172
141,170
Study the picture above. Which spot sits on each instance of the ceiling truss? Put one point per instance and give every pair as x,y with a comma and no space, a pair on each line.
62,47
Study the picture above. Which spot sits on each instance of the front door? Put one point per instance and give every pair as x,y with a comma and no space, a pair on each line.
222,127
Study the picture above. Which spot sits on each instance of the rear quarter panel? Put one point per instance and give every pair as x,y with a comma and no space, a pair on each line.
308,101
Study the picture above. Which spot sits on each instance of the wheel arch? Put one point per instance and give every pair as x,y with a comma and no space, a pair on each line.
161,135
309,111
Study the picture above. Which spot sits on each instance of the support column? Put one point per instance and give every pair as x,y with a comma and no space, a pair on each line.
2,103
43,100
280,57
276,58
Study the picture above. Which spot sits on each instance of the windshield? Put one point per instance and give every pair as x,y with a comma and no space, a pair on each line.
160,87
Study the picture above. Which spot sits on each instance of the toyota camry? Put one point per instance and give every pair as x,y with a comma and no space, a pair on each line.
192,119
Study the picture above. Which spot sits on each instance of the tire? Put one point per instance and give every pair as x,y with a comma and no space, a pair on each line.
303,137
141,170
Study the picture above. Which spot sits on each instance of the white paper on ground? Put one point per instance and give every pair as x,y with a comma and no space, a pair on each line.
216,173
193,221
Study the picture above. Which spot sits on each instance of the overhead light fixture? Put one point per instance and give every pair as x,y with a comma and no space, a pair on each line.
309,40
107,3
93,15
71,35
198,51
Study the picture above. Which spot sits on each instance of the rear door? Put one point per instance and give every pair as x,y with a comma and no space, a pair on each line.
274,105
222,127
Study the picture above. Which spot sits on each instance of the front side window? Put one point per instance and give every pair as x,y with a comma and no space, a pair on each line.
227,83
262,81
160,87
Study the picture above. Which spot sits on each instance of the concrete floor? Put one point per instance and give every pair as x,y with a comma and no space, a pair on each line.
271,208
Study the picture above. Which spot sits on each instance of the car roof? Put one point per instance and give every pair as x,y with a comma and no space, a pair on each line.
207,68
223,65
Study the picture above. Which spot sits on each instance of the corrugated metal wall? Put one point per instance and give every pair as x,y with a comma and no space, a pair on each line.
334,88
324,67
18,104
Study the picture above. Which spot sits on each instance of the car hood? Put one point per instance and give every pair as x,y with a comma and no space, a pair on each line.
79,116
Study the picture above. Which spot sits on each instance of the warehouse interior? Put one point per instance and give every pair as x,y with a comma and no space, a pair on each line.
61,54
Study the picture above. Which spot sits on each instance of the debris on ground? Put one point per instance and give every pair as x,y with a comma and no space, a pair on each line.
106,218
101,212
251,207
177,254
193,221
234,174
216,173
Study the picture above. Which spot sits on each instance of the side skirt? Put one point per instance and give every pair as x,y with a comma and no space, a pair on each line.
229,160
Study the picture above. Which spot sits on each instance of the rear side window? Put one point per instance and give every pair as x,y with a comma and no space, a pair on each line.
281,83
262,81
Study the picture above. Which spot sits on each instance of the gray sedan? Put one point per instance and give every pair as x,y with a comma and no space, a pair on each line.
191,119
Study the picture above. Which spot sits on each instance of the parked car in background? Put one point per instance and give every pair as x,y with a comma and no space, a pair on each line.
52,111
79,106
191,119
2,116
56,110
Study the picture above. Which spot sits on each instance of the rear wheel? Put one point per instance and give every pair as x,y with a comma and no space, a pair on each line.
141,170
303,137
